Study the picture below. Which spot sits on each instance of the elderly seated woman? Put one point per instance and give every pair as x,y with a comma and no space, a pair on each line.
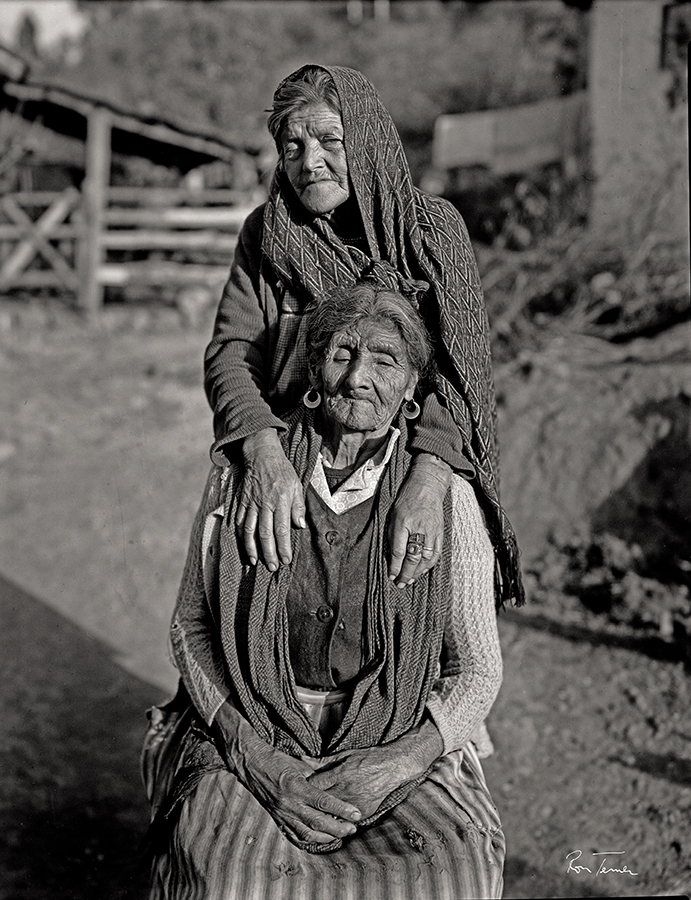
322,742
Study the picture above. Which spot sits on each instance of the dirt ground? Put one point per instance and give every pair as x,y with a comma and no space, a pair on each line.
103,454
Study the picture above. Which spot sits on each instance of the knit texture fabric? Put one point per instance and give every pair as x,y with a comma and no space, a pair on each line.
422,237
471,664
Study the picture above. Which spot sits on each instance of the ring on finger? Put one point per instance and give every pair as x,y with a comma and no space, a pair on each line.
415,545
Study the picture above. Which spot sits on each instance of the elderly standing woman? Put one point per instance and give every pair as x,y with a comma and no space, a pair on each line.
320,746
342,204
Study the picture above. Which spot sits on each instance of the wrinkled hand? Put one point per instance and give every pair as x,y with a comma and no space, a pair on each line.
301,809
279,782
365,778
419,509
271,500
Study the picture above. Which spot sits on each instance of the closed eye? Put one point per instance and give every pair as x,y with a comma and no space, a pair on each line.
385,359
291,152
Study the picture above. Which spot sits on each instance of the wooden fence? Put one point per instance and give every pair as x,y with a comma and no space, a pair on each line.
514,139
39,237
133,236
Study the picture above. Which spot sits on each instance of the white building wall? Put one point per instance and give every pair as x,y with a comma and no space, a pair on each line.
639,150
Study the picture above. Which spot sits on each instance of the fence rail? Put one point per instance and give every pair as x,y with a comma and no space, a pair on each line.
138,239
157,273
178,217
164,196
185,237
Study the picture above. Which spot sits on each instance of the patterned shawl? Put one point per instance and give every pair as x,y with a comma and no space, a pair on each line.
422,237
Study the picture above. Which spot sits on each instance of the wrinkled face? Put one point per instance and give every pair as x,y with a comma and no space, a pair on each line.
366,376
314,158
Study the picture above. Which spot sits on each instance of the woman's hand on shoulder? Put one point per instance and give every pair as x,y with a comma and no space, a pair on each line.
272,499
418,510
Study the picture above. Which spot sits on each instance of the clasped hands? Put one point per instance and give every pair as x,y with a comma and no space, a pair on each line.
317,801
272,502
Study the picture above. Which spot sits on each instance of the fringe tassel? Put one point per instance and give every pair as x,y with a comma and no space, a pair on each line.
508,584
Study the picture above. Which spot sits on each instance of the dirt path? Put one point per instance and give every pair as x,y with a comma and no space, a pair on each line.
103,443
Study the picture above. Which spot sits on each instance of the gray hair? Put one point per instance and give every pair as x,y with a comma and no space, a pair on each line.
346,308
310,84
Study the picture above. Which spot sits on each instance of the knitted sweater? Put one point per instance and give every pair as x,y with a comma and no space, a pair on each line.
470,668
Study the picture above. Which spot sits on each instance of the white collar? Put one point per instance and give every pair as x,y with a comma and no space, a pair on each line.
360,484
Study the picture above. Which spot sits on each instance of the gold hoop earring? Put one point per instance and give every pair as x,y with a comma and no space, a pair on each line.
411,409
312,398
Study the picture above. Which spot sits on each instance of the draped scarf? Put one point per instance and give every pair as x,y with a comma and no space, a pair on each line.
421,237
403,629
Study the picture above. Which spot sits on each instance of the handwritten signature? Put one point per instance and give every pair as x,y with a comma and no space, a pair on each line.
602,868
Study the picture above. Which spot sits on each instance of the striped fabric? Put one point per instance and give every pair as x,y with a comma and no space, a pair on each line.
444,842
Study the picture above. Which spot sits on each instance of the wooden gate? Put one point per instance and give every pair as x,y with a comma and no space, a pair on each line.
39,239
84,240
169,236
147,236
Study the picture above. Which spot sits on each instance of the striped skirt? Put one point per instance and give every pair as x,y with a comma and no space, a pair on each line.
444,842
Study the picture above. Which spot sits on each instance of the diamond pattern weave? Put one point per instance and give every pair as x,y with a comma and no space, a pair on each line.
422,237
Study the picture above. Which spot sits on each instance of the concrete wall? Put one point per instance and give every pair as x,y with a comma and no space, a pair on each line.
639,143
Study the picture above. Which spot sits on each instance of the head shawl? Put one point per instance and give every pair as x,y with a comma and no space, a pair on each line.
384,275
424,238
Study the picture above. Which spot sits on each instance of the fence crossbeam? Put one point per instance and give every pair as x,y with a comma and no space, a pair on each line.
36,238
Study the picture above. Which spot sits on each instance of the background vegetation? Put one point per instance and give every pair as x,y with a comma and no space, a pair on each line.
217,63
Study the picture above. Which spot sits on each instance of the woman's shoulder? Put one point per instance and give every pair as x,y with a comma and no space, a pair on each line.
439,218
253,225
436,207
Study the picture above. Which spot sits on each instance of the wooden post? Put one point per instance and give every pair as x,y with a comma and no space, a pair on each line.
94,194
381,10
355,12
639,151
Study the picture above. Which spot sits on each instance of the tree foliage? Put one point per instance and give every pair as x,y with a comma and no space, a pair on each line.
217,63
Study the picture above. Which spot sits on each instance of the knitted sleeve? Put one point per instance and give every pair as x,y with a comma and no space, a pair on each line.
197,652
235,360
471,665
436,432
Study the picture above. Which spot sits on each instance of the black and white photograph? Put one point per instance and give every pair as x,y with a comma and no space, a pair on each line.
345,449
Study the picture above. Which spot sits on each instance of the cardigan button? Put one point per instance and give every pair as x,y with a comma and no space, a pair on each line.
325,613
333,537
